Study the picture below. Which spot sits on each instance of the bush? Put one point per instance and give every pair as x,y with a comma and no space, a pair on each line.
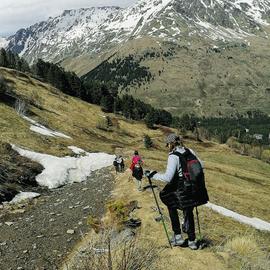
148,143
3,85
266,155
105,123
20,107
110,251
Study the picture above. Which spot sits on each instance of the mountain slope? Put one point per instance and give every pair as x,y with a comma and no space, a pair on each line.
59,112
95,30
209,57
237,182
3,42
225,80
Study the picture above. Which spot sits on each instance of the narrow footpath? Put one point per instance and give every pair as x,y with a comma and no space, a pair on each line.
42,236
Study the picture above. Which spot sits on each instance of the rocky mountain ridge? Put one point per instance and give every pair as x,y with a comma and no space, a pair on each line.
96,30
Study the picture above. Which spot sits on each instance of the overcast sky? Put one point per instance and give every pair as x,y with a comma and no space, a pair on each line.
16,14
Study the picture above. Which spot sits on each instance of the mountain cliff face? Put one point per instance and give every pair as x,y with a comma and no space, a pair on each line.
95,30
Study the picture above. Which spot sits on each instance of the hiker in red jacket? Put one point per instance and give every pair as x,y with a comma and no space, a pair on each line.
136,168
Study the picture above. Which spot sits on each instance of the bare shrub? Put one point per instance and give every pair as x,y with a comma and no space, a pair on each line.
21,106
111,252
246,250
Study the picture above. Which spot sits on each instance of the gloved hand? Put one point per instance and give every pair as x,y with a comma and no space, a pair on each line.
149,174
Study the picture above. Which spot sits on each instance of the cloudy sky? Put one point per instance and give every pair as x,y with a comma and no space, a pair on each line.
16,14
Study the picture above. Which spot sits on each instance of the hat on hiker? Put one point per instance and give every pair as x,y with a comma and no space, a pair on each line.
136,152
172,138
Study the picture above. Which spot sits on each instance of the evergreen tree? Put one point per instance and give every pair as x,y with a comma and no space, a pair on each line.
151,119
148,143
3,58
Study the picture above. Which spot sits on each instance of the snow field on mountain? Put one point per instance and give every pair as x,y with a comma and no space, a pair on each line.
59,171
38,128
97,29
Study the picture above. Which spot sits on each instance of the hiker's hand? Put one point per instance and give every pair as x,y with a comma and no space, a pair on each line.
149,174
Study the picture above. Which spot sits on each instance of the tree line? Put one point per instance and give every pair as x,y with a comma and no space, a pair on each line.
11,60
92,91
243,127
106,95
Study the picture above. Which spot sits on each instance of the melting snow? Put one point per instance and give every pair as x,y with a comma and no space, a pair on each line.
22,196
64,170
76,150
254,222
38,128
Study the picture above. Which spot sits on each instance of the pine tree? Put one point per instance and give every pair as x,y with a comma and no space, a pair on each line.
148,143
3,58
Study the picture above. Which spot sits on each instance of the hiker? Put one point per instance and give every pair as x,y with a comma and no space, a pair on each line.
137,170
180,192
119,163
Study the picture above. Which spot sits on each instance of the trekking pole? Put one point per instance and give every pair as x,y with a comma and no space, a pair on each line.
199,227
159,210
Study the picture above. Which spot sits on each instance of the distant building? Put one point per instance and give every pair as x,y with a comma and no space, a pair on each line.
247,130
258,136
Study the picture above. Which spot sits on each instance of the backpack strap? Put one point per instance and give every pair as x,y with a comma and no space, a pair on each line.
183,162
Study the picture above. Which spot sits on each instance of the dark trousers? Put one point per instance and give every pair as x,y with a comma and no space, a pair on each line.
189,226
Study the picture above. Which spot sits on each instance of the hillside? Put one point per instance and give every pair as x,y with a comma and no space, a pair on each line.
210,58
235,182
238,183
194,77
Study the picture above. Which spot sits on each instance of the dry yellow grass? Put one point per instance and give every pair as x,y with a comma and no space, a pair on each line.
63,113
235,182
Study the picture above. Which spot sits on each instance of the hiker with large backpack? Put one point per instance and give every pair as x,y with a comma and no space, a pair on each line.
119,164
137,170
185,188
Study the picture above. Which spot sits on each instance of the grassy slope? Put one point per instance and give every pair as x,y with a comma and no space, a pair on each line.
65,114
198,79
236,182
210,83
233,245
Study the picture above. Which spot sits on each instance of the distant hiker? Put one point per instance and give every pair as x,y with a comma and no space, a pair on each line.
119,164
137,170
185,188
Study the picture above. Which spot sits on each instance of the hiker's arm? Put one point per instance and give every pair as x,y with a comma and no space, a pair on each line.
170,171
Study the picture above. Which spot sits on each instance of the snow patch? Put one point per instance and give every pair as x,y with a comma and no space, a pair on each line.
76,150
254,222
3,42
65,170
38,128
22,196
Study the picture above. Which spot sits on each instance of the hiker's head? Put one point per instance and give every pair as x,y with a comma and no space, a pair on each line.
136,153
173,140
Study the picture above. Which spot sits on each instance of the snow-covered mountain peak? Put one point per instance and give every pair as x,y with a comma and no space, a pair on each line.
97,29
3,42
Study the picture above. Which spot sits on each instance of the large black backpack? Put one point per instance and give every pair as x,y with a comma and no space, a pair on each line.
188,189
193,177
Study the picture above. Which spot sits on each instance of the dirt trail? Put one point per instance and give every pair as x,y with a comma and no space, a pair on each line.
39,238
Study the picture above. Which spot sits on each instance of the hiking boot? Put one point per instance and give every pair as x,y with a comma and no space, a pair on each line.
192,245
177,240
